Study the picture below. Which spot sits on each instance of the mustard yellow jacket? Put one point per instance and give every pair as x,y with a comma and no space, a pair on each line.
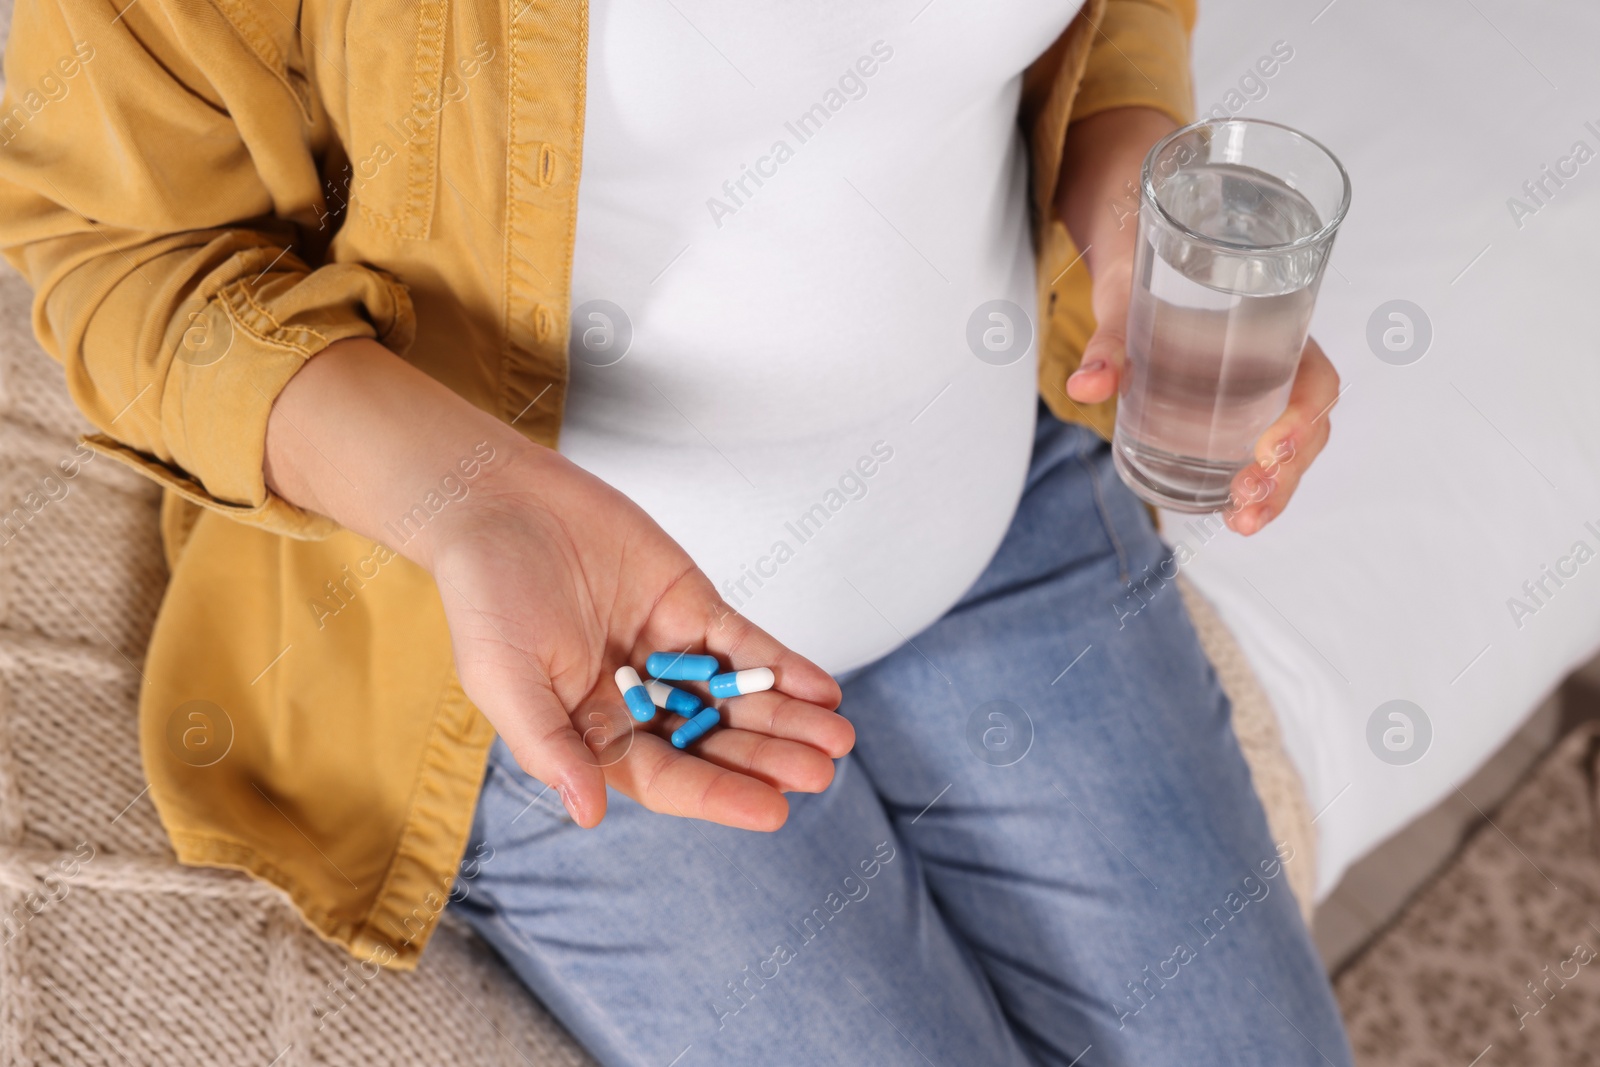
205,193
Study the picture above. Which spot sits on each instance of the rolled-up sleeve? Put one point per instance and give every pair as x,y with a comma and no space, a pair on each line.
158,181
1139,57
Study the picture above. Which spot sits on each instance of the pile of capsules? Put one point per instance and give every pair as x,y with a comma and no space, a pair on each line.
643,698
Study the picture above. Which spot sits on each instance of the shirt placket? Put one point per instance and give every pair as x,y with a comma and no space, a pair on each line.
548,49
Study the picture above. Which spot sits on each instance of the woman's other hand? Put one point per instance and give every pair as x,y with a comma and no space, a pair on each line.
1098,200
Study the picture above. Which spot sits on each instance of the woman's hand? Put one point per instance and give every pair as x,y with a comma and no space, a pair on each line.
1098,200
550,580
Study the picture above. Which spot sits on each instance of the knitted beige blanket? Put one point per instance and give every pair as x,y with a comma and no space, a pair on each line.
113,953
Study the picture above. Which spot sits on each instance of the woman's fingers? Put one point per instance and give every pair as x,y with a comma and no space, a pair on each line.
788,766
781,740
1285,451
749,740
674,782
1302,429
693,618
777,714
739,644
799,705
797,708
1099,373
1097,377
515,692
1100,370
544,742
1255,497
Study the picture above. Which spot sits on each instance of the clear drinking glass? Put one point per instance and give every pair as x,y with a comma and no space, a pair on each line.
1236,220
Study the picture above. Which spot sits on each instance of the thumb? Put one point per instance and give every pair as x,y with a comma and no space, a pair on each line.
539,733
1100,370
518,698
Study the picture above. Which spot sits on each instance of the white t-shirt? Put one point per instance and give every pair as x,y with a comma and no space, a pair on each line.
801,212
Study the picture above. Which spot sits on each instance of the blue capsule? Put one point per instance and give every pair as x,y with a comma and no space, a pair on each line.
737,683
680,666
696,727
674,700
635,695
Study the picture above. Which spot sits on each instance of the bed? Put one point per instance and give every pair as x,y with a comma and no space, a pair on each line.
1433,555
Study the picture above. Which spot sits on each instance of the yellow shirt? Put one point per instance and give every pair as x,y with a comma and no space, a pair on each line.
204,194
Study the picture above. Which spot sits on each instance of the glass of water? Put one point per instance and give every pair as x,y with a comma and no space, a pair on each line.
1236,220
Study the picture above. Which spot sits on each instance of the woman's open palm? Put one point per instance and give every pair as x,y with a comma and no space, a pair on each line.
551,580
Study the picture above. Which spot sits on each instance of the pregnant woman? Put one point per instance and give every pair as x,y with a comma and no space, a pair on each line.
483,348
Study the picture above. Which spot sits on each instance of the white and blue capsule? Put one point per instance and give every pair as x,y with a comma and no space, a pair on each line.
674,700
695,728
680,666
635,695
738,683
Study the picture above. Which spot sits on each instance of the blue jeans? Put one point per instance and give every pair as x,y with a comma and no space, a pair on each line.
1045,849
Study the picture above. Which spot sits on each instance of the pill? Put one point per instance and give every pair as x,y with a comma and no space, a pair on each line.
635,695
680,666
737,683
695,728
674,700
